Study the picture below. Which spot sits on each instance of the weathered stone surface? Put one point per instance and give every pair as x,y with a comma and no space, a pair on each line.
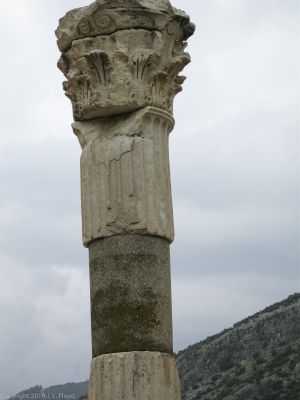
105,17
125,175
134,376
130,294
123,55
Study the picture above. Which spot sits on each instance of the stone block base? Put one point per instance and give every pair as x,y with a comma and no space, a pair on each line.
134,376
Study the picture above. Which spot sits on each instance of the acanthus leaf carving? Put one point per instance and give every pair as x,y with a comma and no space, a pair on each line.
129,68
98,61
159,90
80,91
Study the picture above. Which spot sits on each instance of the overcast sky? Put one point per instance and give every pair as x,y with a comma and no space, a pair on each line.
235,177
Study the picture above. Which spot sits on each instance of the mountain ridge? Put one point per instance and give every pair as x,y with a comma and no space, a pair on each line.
258,358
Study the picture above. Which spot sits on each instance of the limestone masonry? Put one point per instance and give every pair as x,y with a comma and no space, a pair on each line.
137,376
122,61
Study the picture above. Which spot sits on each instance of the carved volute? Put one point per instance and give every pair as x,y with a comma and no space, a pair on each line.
122,55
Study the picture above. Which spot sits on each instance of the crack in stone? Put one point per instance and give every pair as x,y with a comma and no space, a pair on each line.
122,154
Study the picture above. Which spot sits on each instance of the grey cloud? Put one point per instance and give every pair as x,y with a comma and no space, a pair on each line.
46,316
40,203
220,300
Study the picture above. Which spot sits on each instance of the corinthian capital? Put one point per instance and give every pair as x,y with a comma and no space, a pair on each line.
122,55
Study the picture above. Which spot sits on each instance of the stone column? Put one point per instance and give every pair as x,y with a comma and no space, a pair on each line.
122,60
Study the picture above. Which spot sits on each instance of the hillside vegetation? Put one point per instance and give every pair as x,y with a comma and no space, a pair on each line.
257,359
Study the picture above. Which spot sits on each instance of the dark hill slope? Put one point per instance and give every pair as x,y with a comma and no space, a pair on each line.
257,359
